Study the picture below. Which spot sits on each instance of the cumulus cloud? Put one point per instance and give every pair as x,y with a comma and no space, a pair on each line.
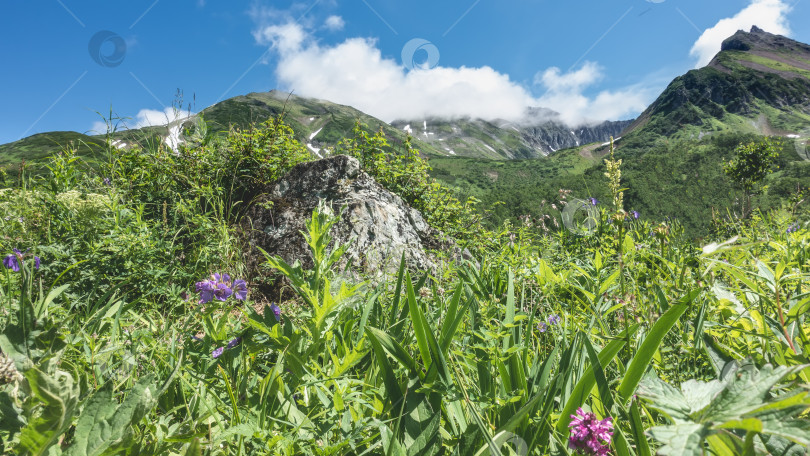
334,23
564,94
769,15
354,72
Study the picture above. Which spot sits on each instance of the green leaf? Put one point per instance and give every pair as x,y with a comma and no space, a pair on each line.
746,392
680,439
679,405
599,375
419,323
421,425
389,379
105,425
394,348
641,360
642,446
59,397
585,384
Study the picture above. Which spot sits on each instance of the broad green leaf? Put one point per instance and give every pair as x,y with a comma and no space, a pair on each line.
680,439
421,426
59,397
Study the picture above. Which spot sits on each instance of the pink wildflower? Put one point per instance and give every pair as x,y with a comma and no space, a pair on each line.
590,436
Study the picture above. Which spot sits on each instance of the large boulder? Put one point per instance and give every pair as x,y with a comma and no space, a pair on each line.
378,225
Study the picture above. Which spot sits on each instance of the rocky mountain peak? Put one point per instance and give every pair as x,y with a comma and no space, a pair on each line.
759,40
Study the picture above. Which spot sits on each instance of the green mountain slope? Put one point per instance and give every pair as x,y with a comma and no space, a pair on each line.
534,137
318,123
34,150
758,85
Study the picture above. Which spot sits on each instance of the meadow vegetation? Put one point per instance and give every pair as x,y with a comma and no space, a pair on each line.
128,324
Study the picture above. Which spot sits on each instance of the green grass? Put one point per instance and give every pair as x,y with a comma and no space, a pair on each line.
117,355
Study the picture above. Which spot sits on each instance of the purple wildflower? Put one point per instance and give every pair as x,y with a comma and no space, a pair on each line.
793,228
588,435
13,260
217,352
233,343
10,262
542,326
222,291
276,311
593,201
239,289
206,291
219,286
554,319
107,181
635,215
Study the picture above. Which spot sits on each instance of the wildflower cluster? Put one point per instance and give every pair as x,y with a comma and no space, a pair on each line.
588,435
793,228
221,287
13,260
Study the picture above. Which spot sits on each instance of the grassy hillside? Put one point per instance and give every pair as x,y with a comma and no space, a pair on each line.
677,178
35,150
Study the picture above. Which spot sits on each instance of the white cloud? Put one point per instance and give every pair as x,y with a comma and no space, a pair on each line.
355,73
287,38
769,15
554,80
564,94
144,118
334,23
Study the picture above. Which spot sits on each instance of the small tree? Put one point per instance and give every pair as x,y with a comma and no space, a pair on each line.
751,163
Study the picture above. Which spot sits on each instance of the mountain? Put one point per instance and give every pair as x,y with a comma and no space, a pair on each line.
757,83
321,124
501,139
317,123
34,150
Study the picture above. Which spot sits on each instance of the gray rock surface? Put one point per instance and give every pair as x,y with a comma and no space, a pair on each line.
379,225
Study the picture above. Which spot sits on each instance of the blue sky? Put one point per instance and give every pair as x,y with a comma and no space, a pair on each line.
484,58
